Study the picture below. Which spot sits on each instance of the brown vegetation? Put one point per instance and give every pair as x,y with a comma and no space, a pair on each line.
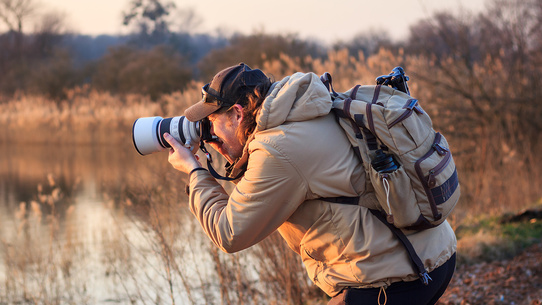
478,78
494,153
495,138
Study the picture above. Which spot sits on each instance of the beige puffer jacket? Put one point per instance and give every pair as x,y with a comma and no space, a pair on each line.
300,154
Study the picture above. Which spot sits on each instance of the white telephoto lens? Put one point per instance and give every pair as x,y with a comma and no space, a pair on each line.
145,135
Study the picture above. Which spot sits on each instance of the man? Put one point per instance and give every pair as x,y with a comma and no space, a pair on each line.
295,157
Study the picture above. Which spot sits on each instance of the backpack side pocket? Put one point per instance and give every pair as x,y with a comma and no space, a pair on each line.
396,197
438,175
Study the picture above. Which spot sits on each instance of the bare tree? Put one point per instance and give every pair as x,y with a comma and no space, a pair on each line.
186,20
13,12
149,15
49,31
485,71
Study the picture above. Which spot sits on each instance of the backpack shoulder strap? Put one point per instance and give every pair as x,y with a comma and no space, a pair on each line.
414,258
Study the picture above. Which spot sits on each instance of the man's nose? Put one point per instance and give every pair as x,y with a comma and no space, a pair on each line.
212,129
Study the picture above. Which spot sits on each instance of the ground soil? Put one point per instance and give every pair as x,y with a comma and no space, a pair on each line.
517,281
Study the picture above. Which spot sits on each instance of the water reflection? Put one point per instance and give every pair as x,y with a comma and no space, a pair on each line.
77,173
101,225
70,228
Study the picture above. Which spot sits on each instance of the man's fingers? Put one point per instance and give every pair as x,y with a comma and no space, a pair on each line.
171,140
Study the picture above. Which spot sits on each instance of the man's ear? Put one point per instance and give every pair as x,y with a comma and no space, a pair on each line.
238,112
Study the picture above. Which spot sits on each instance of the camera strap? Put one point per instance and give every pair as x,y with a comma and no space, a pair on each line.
211,169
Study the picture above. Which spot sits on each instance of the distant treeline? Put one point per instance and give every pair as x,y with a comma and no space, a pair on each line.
161,61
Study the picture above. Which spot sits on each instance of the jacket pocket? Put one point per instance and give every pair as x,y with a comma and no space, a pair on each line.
314,267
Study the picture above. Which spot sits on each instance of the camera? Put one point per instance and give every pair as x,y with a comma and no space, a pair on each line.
148,133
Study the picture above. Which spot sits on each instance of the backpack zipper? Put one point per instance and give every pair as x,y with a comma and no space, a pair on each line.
410,106
436,147
431,180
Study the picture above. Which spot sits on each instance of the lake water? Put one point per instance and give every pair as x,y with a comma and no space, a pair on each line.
99,225
104,225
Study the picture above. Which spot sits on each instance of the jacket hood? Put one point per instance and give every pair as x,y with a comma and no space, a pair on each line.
299,97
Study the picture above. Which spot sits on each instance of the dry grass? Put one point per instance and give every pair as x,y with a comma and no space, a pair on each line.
151,264
43,257
85,117
483,148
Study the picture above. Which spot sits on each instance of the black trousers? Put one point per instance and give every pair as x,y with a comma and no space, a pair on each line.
401,293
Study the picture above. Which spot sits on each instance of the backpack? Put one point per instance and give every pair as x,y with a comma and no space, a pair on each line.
409,165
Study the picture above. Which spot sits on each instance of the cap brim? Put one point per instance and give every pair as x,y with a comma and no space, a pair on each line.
200,110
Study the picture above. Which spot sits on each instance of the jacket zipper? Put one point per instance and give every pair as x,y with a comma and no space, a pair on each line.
410,106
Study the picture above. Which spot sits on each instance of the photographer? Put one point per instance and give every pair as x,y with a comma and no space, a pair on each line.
295,157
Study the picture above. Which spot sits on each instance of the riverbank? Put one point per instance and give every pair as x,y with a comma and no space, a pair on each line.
499,261
512,281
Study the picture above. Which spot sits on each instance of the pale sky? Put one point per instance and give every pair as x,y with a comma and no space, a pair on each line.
327,21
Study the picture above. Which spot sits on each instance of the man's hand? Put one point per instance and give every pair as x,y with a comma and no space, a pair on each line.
180,157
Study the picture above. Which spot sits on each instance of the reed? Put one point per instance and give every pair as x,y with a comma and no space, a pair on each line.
150,263
85,117
42,260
